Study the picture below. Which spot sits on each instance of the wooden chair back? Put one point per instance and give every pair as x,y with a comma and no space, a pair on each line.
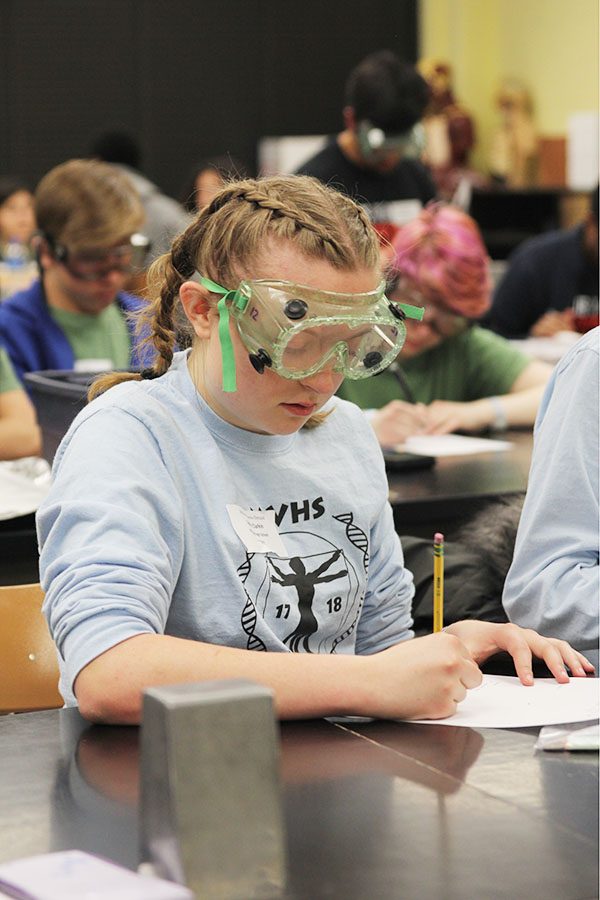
28,663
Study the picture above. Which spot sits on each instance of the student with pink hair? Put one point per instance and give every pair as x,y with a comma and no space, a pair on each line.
455,375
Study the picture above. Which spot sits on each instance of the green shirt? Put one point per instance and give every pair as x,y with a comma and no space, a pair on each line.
467,367
8,378
101,337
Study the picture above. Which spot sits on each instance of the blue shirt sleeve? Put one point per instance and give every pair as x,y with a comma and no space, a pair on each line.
108,563
552,584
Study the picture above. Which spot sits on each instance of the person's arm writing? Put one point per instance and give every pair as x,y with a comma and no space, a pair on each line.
519,406
422,677
397,420
419,678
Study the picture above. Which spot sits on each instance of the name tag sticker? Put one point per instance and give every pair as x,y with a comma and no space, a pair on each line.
256,529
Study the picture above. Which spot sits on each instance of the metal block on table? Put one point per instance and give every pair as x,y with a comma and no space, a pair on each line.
211,814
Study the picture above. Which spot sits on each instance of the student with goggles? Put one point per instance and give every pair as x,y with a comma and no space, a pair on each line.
76,314
376,158
452,375
221,514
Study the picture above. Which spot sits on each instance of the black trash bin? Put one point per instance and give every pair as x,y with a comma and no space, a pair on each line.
58,396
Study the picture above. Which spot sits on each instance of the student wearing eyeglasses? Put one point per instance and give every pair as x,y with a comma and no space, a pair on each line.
76,315
453,375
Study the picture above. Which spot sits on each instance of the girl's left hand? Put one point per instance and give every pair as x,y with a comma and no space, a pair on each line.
483,639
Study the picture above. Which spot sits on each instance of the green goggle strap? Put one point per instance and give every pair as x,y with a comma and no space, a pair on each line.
229,379
412,312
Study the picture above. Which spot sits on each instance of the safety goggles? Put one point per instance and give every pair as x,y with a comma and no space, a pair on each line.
374,141
297,330
96,265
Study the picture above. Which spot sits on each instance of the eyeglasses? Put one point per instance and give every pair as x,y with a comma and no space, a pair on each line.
96,265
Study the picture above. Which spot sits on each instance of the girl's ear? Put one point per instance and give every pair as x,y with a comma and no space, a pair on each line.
195,300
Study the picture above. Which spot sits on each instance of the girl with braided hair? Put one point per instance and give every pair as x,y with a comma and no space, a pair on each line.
454,375
222,514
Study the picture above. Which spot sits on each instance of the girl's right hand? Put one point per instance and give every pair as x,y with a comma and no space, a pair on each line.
397,420
422,678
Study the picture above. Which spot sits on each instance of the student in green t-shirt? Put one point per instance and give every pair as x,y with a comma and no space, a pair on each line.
19,433
451,375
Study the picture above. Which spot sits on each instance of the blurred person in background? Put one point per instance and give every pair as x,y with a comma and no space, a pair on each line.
545,275
207,177
376,158
164,217
76,314
454,376
17,226
19,432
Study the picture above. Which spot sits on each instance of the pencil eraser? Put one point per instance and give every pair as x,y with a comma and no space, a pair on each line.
438,538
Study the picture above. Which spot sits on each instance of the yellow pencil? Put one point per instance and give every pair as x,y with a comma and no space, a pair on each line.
438,582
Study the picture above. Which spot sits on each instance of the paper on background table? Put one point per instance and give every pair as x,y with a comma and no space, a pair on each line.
450,445
548,349
24,483
501,701
73,875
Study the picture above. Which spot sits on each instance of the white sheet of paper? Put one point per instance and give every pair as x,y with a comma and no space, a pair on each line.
501,701
450,445
73,874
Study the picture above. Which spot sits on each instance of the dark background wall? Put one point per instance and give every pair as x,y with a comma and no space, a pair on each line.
189,77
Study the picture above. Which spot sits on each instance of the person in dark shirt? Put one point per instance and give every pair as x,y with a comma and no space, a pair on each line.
375,158
544,275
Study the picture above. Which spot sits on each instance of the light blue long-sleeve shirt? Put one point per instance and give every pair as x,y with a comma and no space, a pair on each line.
553,583
136,538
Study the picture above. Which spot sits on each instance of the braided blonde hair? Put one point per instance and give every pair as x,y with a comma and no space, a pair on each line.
230,233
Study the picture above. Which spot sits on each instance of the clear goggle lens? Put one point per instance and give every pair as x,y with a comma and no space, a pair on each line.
358,350
373,140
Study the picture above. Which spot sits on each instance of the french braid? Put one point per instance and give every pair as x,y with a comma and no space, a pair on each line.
280,209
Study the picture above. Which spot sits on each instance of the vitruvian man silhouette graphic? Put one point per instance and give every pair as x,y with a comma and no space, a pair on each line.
305,582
